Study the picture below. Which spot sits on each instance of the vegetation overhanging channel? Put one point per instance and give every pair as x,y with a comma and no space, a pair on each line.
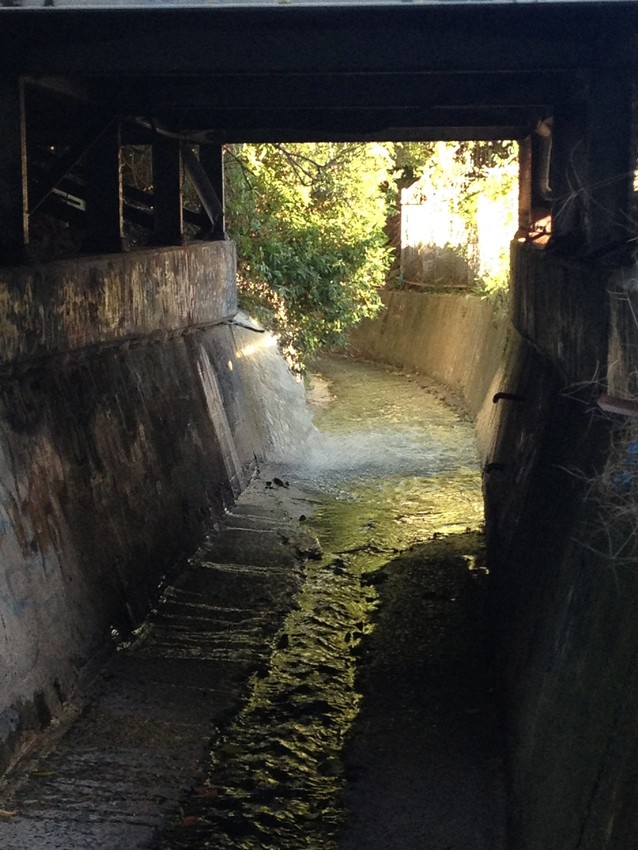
321,228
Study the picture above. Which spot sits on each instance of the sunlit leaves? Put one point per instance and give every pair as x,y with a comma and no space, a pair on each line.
308,221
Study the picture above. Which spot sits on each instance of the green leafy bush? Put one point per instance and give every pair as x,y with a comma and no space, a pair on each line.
308,222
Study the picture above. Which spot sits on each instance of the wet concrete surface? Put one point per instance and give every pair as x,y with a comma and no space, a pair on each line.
289,693
122,758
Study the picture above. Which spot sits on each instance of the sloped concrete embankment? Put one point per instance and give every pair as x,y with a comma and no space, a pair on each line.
131,414
560,518
460,341
141,732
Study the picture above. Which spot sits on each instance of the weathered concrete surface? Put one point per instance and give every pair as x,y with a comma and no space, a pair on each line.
563,552
143,730
562,308
561,520
458,340
124,431
62,306
111,468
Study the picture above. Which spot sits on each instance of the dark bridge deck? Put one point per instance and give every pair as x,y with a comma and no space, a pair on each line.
490,70
77,85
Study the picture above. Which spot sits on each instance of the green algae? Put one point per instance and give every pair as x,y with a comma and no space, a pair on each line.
278,771
407,473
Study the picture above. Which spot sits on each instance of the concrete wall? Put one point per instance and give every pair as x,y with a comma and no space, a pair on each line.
563,543
64,306
561,529
124,429
458,340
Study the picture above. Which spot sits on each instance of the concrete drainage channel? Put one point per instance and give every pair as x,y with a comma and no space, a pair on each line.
287,696
372,727
277,773
142,735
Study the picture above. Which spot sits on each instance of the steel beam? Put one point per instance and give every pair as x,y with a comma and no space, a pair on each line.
14,217
187,41
211,158
104,220
167,192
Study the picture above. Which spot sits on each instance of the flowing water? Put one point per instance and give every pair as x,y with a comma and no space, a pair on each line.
386,468
397,464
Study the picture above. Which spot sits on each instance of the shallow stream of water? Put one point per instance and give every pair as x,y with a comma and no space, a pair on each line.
388,467
393,462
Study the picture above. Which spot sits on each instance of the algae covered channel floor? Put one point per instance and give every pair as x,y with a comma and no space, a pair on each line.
318,677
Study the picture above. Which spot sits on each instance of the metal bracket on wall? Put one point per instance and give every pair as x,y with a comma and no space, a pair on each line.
508,397
494,467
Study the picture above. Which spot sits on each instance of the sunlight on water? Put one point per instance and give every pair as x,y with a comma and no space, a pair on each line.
398,464
389,466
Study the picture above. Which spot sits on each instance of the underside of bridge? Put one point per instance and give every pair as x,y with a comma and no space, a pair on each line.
77,86
95,337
